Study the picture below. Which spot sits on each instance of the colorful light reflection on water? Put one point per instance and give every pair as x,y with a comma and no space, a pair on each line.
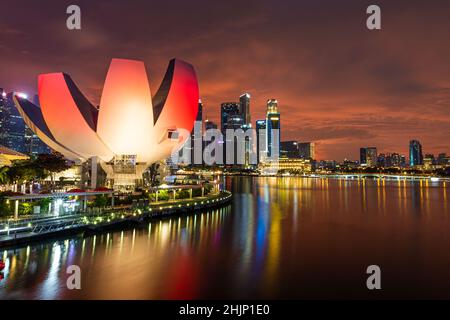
280,238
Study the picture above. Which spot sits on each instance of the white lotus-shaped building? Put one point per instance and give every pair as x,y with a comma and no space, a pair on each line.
129,127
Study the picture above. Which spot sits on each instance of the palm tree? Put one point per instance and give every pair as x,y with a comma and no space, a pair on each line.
4,177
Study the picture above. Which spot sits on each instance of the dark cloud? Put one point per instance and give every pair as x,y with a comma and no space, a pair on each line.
336,82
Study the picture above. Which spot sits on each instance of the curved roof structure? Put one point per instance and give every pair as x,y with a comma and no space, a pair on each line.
32,115
128,121
7,156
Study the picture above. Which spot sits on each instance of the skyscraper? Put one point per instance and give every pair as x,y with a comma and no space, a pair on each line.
236,116
273,128
2,114
415,153
382,160
289,149
260,138
196,134
396,160
443,159
368,156
228,110
244,110
199,111
294,149
230,118
14,133
244,103
12,125
210,125
234,122
307,150
429,160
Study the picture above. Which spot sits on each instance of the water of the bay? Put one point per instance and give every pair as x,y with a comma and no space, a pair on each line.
280,237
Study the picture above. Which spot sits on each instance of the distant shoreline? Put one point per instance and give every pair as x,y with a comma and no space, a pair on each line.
348,176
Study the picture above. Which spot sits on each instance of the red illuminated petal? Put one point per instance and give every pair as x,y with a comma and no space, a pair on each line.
69,116
32,115
176,102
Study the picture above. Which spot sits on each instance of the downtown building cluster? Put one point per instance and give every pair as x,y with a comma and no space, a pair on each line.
14,133
294,156
370,159
290,156
417,159
261,147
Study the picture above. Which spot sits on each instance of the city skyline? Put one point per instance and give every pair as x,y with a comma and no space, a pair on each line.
343,86
251,152
229,109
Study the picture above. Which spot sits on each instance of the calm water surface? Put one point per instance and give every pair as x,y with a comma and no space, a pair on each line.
280,238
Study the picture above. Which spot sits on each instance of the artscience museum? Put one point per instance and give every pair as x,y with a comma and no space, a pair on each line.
128,131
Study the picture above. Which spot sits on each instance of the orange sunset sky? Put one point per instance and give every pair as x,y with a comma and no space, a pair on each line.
337,83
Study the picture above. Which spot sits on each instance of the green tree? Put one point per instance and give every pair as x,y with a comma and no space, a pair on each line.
5,207
24,171
4,178
100,200
52,163
44,203
182,194
26,208
163,195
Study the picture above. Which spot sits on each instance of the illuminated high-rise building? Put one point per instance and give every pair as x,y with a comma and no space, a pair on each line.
14,133
307,150
295,149
396,160
230,118
443,159
429,160
289,149
244,104
2,113
260,139
199,116
368,156
273,128
227,111
210,125
245,107
236,116
382,160
415,153
389,160
196,134
12,126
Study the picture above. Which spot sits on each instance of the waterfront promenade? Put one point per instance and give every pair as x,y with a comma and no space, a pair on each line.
21,231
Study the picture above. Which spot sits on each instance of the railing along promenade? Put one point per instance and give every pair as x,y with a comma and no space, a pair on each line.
25,229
